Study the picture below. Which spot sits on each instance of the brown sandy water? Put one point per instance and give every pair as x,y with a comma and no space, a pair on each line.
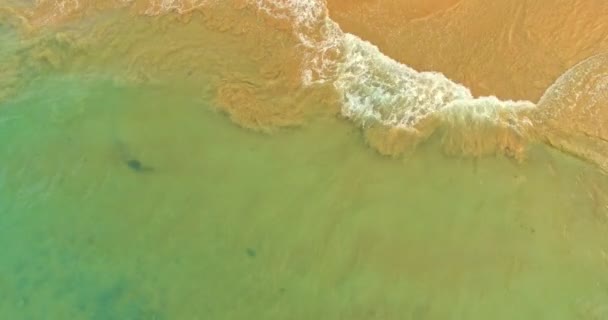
125,193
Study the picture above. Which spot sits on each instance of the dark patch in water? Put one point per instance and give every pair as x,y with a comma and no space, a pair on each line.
129,159
134,164
137,166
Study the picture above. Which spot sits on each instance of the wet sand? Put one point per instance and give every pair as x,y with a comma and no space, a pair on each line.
511,49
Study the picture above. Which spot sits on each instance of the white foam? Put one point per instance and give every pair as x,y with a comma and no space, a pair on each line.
320,37
376,88
488,110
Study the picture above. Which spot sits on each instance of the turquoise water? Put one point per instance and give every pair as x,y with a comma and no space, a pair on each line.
217,222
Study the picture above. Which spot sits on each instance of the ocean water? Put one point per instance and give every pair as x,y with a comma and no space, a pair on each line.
140,191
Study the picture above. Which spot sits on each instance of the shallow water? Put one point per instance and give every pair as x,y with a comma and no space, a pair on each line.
139,200
305,223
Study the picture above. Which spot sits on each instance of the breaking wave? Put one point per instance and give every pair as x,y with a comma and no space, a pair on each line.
376,90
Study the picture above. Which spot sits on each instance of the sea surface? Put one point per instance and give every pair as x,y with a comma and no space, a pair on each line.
263,160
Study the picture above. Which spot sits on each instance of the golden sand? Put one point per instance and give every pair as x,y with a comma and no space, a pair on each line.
510,49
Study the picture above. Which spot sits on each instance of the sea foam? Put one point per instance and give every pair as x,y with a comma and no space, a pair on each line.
376,89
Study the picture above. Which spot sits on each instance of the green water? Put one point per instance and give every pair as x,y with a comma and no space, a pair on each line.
305,224
217,222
